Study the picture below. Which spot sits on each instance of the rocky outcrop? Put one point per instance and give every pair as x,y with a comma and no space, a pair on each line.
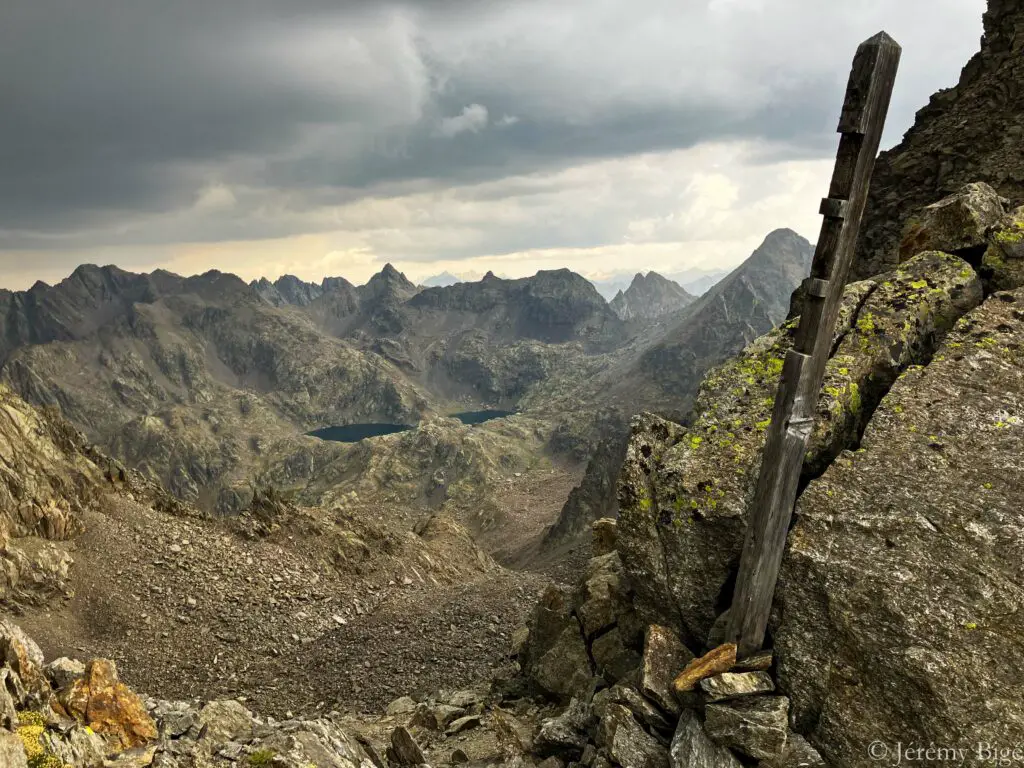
650,296
970,132
577,639
69,715
684,492
903,572
49,475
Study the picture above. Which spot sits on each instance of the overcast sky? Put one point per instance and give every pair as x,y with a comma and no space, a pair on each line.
327,138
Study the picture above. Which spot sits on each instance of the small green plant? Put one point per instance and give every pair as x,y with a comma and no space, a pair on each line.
262,758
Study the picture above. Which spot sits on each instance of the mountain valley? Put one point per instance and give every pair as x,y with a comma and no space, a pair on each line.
500,521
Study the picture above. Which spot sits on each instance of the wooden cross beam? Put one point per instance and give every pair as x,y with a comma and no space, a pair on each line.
861,121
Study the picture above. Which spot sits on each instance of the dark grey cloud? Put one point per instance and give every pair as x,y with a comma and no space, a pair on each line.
118,114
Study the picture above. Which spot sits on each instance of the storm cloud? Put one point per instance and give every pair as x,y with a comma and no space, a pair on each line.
429,130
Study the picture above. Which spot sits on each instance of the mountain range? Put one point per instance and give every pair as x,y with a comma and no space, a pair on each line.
202,382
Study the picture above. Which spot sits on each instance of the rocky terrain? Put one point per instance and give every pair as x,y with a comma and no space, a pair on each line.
457,594
968,132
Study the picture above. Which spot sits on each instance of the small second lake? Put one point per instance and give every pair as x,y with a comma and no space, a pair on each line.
353,433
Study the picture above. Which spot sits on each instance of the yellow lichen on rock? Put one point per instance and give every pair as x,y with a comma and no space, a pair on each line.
109,707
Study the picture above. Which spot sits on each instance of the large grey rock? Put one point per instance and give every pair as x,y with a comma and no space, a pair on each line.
300,744
756,726
692,748
627,744
80,746
684,492
604,595
401,706
904,570
956,224
567,734
1002,265
225,720
174,718
64,671
554,656
436,717
664,658
613,658
642,708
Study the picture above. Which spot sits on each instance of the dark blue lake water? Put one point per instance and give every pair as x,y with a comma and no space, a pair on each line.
479,417
353,433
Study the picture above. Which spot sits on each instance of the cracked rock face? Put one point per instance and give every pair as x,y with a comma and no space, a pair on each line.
590,633
970,132
684,492
903,575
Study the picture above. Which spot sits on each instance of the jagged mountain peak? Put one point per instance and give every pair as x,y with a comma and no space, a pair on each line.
650,296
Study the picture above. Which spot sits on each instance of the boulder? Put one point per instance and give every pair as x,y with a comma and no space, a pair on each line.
957,224
225,720
664,658
627,744
63,672
567,734
436,717
592,631
401,706
903,571
604,595
554,656
692,748
462,724
1002,265
684,492
641,707
613,658
21,654
755,726
105,704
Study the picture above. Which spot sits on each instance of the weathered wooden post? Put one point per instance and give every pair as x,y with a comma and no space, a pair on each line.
861,122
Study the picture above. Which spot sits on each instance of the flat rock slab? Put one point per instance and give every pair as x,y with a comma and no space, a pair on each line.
734,685
693,748
664,658
715,662
404,748
756,726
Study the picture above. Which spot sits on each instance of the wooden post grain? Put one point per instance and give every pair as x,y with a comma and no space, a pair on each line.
862,119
